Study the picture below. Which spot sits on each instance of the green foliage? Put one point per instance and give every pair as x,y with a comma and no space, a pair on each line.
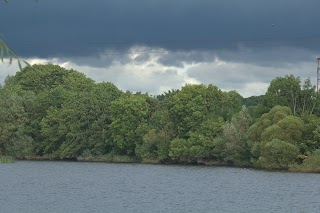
81,123
278,154
208,148
7,159
256,106
13,122
203,144
288,129
311,133
237,149
188,108
253,100
7,52
278,124
196,103
284,91
268,119
39,77
182,149
232,103
155,145
129,115
53,112
311,163
288,91
308,98
52,85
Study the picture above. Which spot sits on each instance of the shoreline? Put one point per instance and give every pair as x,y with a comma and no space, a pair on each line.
130,160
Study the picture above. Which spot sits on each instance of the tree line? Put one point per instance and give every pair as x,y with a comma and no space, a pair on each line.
47,111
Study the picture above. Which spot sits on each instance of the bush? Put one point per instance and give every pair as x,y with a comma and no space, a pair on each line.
278,154
311,163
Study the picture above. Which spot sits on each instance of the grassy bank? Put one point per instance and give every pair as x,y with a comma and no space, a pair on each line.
109,159
307,167
7,159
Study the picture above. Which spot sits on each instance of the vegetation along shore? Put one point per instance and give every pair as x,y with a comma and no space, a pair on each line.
48,112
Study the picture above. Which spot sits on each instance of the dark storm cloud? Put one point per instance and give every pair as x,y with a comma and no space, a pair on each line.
62,28
101,60
176,59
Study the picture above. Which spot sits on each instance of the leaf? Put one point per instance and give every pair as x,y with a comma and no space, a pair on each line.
2,52
5,51
26,63
10,62
19,63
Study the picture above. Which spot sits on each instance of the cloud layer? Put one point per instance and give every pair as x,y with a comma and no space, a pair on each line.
84,28
156,45
163,70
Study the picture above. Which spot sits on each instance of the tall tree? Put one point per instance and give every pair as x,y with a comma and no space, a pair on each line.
308,98
82,123
194,104
14,122
129,115
237,149
284,91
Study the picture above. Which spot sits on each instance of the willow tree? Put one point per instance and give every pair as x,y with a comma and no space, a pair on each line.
6,51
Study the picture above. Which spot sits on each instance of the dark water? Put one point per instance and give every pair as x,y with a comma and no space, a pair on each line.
101,187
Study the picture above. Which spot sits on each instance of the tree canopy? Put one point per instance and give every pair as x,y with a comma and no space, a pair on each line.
51,112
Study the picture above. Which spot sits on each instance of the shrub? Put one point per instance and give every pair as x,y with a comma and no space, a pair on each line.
278,154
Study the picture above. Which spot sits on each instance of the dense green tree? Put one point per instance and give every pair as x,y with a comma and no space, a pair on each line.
268,119
237,147
288,129
307,101
82,123
188,108
288,91
278,154
256,106
129,117
179,149
14,122
276,125
284,91
310,131
156,142
52,85
194,104
53,132
160,115
253,100
203,144
155,145
48,110
232,102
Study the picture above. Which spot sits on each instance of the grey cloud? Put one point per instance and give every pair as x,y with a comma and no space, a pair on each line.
236,76
155,83
177,59
270,56
134,78
170,61
142,58
81,28
105,59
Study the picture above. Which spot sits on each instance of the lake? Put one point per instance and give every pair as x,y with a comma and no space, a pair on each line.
44,186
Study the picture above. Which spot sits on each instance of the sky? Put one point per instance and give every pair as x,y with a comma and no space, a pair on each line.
157,45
